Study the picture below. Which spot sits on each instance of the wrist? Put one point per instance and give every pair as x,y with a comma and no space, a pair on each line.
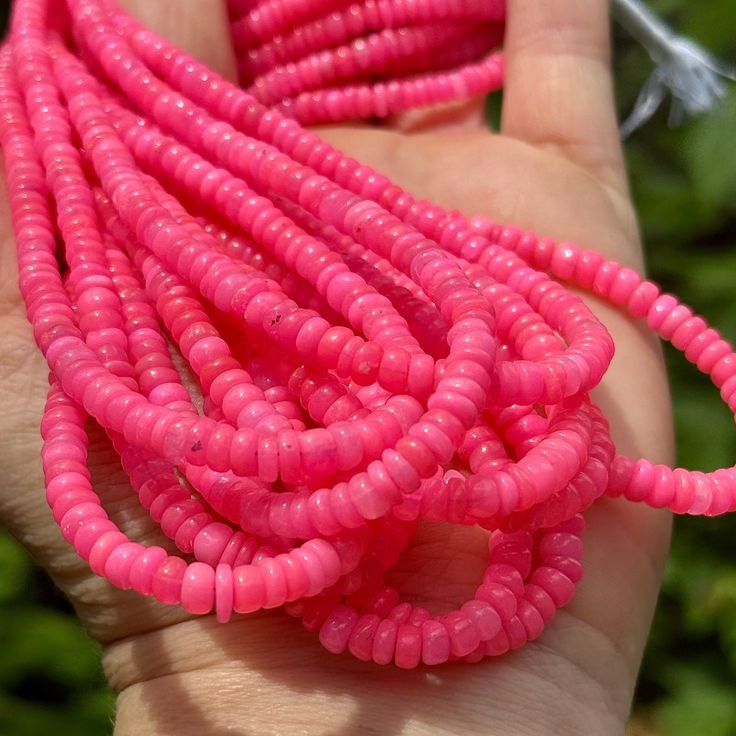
261,675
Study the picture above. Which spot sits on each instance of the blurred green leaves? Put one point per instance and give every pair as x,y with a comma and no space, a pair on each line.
14,569
700,704
714,179
684,186
50,670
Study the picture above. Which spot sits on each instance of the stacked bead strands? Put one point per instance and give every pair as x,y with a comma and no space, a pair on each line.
295,55
364,361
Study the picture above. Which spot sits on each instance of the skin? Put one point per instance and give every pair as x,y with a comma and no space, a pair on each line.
556,167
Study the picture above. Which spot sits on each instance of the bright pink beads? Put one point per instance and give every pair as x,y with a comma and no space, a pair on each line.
367,59
362,361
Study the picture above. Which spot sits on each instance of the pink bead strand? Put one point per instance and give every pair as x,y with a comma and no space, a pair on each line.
366,57
519,386
336,26
357,360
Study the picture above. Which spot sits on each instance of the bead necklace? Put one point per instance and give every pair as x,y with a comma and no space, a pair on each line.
364,361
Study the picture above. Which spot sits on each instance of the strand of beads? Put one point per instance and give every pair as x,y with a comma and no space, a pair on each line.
333,61
684,492
362,361
588,270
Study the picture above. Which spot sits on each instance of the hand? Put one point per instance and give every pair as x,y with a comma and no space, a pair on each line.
556,168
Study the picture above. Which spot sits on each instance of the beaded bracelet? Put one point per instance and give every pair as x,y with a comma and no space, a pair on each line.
364,361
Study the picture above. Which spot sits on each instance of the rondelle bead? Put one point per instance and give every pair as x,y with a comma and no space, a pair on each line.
294,359
484,616
337,629
559,587
464,634
362,635
435,643
531,619
224,592
249,589
103,548
384,642
168,579
198,588
144,568
408,646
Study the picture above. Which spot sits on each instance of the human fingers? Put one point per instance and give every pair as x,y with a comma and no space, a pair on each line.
558,89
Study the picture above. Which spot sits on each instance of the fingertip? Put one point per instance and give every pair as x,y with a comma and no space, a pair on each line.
558,85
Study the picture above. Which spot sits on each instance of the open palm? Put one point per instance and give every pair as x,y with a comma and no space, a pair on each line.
556,168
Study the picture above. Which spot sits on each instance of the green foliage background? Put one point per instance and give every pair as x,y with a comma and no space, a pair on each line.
684,185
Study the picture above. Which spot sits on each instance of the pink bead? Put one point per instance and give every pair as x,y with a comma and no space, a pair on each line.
224,592
560,544
336,630
401,613
531,620
500,597
498,645
464,634
347,340
249,589
435,643
505,575
144,568
559,587
198,588
168,579
89,532
384,642
103,548
296,576
383,602
67,501
408,646
362,636
541,600
119,563
316,573
515,632
274,580
484,616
